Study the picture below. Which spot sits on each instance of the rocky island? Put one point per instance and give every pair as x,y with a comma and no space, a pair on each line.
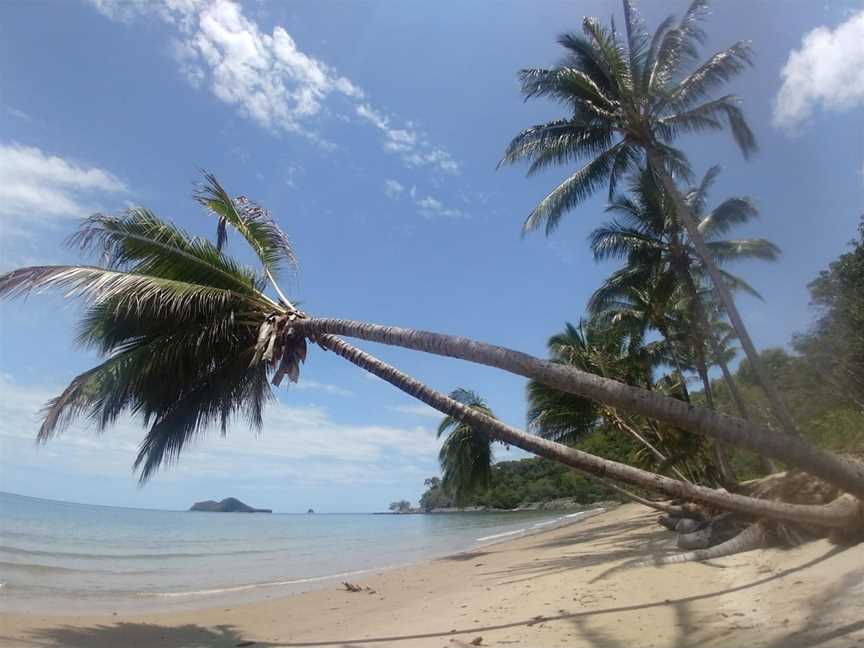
227,505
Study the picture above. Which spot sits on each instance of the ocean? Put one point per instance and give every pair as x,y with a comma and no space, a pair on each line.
77,558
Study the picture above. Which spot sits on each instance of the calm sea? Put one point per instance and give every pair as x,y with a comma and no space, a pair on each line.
70,558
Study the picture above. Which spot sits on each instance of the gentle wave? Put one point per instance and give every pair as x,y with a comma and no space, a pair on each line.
244,588
131,556
38,569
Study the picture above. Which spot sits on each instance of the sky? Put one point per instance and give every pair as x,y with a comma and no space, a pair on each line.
372,131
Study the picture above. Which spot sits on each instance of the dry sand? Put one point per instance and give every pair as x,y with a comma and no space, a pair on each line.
565,587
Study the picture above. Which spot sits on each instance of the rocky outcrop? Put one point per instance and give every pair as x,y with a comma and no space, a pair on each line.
227,505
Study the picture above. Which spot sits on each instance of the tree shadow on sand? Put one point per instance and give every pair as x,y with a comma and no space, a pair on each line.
142,635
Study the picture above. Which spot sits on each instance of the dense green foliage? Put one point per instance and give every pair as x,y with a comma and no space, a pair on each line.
519,482
823,383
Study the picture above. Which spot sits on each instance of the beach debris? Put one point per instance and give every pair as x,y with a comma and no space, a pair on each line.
351,587
476,641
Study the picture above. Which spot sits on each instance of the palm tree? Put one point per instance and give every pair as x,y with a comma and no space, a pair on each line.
608,351
629,97
193,341
466,454
845,512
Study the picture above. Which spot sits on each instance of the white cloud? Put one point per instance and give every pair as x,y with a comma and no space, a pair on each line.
393,188
430,207
266,76
827,71
293,439
36,186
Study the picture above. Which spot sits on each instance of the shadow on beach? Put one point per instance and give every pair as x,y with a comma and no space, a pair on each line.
225,636
141,634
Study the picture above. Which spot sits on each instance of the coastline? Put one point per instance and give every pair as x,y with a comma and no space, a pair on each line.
554,587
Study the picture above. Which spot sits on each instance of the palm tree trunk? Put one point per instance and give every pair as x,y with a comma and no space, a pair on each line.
725,296
845,474
721,454
844,513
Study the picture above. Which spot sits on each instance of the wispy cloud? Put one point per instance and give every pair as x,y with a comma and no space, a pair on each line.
314,385
419,409
393,188
268,78
827,72
412,145
38,187
18,114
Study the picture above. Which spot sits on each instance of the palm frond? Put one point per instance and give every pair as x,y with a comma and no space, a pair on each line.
574,190
466,454
728,214
253,222
141,294
735,250
140,242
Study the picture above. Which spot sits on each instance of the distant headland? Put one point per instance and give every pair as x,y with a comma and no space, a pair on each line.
227,505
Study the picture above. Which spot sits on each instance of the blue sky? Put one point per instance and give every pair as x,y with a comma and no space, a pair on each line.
371,130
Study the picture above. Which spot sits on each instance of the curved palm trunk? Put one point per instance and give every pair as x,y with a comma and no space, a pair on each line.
845,474
774,397
845,513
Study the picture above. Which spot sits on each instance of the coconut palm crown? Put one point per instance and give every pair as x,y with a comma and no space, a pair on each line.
627,95
184,329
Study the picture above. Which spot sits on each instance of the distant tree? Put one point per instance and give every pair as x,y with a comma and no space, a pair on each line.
402,506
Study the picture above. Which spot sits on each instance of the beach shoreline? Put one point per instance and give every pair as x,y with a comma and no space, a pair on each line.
565,586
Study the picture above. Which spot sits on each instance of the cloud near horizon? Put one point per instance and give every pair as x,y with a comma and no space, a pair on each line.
826,72
294,438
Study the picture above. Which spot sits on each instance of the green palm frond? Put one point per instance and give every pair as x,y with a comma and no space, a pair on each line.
466,454
253,222
179,325
574,190
732,250
626,96
142,243
728,214
134,293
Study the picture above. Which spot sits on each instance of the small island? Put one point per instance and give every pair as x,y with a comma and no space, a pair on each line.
227,505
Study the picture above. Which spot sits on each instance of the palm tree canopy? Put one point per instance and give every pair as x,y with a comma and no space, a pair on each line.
595,347
466,454
626,94
646,234
178,322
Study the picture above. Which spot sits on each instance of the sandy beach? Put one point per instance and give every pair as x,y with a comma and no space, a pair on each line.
570,586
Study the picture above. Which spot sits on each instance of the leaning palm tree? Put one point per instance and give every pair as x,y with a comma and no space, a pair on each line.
192,341
629,97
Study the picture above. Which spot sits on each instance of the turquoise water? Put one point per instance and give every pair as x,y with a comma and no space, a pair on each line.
67,557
